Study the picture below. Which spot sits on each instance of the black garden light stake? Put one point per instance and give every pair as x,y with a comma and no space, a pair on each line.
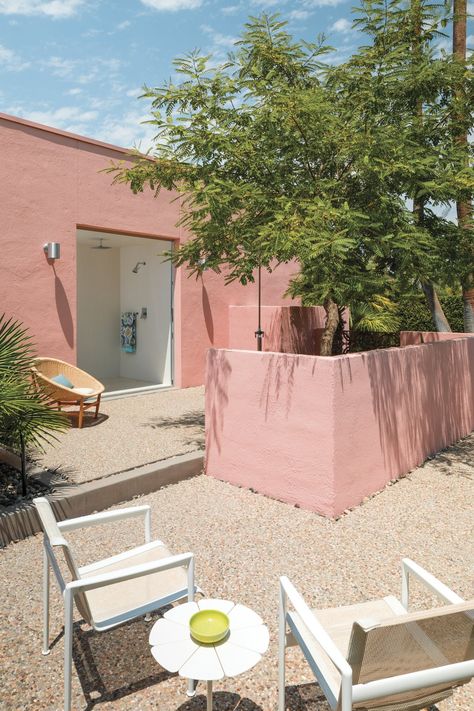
259,334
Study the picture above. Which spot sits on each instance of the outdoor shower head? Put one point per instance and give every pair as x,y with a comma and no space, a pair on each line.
137,266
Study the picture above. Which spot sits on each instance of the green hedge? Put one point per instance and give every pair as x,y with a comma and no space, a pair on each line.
415,314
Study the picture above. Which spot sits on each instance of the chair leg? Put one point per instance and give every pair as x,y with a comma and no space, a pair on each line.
45,649
68,621
97,408
81,414
281,651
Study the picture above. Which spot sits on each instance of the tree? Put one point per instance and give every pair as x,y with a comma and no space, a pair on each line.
26,415
416,85
275,161
463,123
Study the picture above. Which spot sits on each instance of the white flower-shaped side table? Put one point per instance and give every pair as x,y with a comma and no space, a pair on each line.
176,651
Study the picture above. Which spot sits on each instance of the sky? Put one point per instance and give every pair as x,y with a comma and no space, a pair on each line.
79,65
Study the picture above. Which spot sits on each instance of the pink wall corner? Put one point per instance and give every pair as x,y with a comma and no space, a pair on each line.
395,407
288,329
415,338
205,313
270,425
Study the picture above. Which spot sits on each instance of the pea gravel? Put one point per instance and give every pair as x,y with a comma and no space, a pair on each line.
128,433
242,542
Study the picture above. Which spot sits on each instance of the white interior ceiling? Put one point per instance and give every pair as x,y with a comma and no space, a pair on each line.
109,239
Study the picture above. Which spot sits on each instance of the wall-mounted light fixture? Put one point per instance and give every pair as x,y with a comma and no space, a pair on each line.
52,250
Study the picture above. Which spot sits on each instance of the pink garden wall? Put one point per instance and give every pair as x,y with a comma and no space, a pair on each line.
52,184
288,329
323,433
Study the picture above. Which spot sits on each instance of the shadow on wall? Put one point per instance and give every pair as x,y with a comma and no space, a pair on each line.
64,311
207,311
218,373
422,398
296,329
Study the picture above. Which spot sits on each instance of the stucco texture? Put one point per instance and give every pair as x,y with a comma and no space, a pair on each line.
324,433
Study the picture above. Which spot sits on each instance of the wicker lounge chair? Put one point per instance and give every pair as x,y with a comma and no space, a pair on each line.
86,390
378,656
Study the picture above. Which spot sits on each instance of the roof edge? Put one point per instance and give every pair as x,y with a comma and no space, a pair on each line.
66,134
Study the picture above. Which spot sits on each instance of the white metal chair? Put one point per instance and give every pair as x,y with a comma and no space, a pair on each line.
377,655
113,590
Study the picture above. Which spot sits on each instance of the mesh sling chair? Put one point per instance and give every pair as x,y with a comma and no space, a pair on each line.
377,656
114,590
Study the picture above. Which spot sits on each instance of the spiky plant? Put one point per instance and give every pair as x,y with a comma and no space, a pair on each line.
27,420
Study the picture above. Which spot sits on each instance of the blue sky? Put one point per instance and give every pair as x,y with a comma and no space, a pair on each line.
78,65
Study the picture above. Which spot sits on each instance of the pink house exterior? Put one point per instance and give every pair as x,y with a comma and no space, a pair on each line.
52,185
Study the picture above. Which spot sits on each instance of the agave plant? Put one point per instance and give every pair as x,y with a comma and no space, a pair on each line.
27,420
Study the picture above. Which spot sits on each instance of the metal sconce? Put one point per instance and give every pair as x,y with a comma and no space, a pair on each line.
52,250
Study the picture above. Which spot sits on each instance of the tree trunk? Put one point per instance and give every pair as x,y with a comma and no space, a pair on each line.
23,465
468,308
332,321
437,314
464,207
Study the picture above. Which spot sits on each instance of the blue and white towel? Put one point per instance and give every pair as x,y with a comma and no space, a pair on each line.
128,332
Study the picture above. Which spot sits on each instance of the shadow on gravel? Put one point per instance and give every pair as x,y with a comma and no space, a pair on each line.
116,663
456,460
221,701
193,421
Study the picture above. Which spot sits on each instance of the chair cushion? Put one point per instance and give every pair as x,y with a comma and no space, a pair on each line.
62,380
338,621
83,391
111,604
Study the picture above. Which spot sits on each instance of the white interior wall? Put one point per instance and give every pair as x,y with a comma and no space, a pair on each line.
98,311
149,288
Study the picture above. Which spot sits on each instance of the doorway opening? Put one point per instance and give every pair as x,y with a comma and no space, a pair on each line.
124,311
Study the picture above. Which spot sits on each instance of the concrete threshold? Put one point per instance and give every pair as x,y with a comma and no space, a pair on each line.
70,500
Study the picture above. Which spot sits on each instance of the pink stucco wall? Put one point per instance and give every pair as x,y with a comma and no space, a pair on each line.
324,433
51,184
288,329
415,338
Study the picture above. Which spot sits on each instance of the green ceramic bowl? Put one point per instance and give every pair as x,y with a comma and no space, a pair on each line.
209,626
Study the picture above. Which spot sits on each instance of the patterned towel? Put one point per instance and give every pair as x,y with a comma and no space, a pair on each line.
128,332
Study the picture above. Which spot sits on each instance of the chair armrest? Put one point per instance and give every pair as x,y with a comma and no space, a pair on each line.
134,571
97,519
315,628
409,567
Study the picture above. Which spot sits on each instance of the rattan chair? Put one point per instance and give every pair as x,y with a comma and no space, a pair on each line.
377,656
86,390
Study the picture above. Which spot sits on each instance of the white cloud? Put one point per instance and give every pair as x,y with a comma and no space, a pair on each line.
57,9
342,25
230,9
134,93
322,3
172,5
123,25
299,14
11,61
74,92
60,67
68,118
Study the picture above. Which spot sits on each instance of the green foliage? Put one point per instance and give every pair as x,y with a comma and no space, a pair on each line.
414,313
277,155
27,419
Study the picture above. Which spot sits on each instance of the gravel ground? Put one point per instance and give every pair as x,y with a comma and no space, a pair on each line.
130,432
242,542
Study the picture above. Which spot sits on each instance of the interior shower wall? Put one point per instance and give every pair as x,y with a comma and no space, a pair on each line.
98,311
